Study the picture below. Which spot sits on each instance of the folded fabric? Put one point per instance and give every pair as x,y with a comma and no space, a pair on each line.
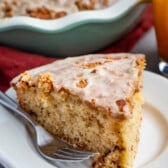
13,62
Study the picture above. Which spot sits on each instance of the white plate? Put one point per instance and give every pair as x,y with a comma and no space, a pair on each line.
16,149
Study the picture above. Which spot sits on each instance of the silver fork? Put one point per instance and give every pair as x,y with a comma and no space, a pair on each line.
50,148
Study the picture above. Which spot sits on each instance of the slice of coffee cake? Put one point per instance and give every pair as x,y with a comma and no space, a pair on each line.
93,102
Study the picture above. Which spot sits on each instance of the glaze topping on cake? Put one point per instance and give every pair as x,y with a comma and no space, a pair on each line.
106,82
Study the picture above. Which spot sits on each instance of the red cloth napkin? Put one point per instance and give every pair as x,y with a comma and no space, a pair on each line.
13,62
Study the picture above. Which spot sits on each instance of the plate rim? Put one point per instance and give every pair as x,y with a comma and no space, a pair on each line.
160,161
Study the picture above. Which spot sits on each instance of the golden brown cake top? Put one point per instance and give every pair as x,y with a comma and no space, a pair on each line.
106,81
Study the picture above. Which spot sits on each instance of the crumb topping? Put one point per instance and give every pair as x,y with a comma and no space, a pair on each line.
82,83
121,103
44,82
94,71
103,84
49,9
45,13
91,65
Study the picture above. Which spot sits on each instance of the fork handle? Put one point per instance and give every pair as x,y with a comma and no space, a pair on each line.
11,105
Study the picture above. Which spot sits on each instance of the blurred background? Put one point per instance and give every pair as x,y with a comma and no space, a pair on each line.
24,46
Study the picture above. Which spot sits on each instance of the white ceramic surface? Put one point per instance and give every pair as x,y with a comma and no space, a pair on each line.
17,152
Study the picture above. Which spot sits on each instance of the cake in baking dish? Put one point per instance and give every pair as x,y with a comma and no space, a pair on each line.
49,9
93,102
